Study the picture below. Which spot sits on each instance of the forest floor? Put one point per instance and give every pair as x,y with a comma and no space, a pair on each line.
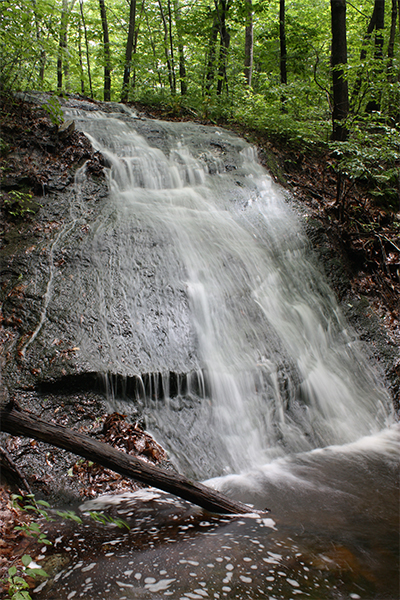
365,238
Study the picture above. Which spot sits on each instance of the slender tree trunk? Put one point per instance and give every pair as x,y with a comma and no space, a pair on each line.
87,47
283,52
363,55
224,45
392,36
42,60
394,95
338,62
135,41
168,58
153,47
248,44
171,44
80,58
62,46
375,103
212,54
128,51
107,53
282,40
182,66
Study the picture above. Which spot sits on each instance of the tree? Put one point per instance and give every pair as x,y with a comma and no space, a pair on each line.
338,63
223,7
182,65
62,58
107,53
168,47
379,12
212,51
248,46
394,96
282,40
39,39
87,47
129,50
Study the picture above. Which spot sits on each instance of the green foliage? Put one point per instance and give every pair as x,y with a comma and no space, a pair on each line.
18,204
372,154
69,514
4,147
104,519
298,113
33,530
54,110
17,584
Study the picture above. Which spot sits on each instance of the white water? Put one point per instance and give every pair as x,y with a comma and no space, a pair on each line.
283,373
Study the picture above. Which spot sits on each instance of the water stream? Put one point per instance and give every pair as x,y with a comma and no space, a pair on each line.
218,326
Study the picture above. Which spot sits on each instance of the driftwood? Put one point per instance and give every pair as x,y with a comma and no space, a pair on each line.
17,422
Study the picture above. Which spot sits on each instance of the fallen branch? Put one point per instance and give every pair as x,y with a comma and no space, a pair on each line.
17,422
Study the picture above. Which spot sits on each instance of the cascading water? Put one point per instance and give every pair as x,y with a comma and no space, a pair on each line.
281,372
202,290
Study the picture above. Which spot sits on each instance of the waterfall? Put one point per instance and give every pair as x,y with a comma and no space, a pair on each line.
201,268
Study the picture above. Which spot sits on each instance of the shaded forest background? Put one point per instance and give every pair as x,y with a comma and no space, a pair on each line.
283,68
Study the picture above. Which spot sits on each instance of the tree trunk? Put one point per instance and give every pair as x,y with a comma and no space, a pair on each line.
42,60
135,41
248,44
87,48
171,44
128,51
21,423
168,57
379,10
225,39
212,54
182,67
392,36
282,40
338,61
153,47
62,45
107,54
80,59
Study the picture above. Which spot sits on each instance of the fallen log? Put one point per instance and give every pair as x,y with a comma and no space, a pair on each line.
17,422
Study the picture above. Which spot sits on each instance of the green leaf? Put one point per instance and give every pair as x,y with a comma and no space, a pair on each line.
21,596
20,581
69,514
35,572
15,497
12,571
26,560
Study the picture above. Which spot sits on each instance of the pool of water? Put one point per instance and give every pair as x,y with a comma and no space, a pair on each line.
331,532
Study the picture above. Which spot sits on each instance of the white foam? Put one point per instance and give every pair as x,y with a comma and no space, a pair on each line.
144,495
